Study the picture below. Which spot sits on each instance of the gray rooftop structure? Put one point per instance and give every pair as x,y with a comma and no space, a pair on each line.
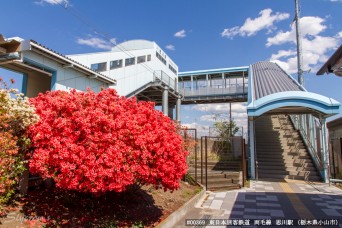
269,78
333,65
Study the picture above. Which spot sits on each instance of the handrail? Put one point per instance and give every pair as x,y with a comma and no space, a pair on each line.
312,149
165,78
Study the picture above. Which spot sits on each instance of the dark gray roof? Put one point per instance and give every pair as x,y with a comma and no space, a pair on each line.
269,78
332,61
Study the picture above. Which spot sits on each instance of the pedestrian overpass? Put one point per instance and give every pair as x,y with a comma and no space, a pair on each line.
269,90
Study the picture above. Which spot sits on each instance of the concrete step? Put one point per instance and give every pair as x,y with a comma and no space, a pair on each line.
223,187
267,157
286,172
260,147
282,154
285,164
271,168
218,181
288,166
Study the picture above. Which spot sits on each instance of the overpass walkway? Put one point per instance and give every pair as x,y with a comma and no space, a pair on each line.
268,90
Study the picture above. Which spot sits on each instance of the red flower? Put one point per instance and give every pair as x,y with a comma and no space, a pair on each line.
103,142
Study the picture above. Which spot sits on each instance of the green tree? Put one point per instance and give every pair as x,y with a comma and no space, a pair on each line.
225,129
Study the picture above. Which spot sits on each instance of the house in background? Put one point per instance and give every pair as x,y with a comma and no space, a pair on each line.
334,66
44,69
142,69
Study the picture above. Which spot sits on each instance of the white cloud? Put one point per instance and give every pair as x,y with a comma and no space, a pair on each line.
314,46
97,42
221,111
283,53
336,0
339,35
266,20
170,47
309,26
180,34
202,129
65,3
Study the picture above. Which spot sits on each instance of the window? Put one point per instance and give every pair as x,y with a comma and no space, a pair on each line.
115,64
130,61
160,58
99,66
149,58
172,69
141,59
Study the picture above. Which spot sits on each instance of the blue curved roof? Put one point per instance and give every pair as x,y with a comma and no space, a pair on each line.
271,89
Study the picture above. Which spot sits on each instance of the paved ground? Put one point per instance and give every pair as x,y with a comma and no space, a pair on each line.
303,202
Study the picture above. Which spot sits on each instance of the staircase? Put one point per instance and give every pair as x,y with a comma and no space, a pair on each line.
222,175
280,151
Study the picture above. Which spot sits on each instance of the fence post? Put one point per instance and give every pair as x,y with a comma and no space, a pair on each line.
202,160
196,155
243,162
206,162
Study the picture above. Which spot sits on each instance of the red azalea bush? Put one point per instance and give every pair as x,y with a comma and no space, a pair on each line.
103,142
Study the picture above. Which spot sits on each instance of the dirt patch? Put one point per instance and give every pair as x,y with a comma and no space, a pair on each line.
51,207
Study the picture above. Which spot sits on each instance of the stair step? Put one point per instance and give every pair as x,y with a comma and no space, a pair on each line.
284,172
212,181
286,168
223,187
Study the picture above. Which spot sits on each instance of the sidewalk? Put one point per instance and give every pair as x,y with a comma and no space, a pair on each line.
271,200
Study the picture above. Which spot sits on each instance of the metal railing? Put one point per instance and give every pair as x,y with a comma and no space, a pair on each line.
298,123
209,91
160,75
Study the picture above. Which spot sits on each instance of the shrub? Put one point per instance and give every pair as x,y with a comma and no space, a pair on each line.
16,115
103,142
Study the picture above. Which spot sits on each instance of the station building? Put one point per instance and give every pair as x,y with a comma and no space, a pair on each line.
142,69
287,123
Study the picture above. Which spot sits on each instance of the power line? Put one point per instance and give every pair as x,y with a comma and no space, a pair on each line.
94,29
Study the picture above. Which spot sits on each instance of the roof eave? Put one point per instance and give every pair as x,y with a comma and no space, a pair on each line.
333,60
67,61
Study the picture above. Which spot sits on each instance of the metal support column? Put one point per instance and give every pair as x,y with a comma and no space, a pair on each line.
325,151
165,101
178,109
252,149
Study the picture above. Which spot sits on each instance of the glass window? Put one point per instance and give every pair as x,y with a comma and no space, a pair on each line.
160,58
141,59
115,64
149,58
99,66
173,69
130,61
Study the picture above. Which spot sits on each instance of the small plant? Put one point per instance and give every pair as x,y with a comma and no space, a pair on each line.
138,224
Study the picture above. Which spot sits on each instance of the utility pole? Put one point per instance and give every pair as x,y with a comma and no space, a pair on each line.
299,45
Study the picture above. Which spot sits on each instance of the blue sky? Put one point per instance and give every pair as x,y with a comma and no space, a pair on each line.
196,35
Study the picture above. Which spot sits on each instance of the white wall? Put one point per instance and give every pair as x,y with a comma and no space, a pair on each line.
130,78
66,78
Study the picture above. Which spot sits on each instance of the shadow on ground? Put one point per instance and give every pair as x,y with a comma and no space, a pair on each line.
72,209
